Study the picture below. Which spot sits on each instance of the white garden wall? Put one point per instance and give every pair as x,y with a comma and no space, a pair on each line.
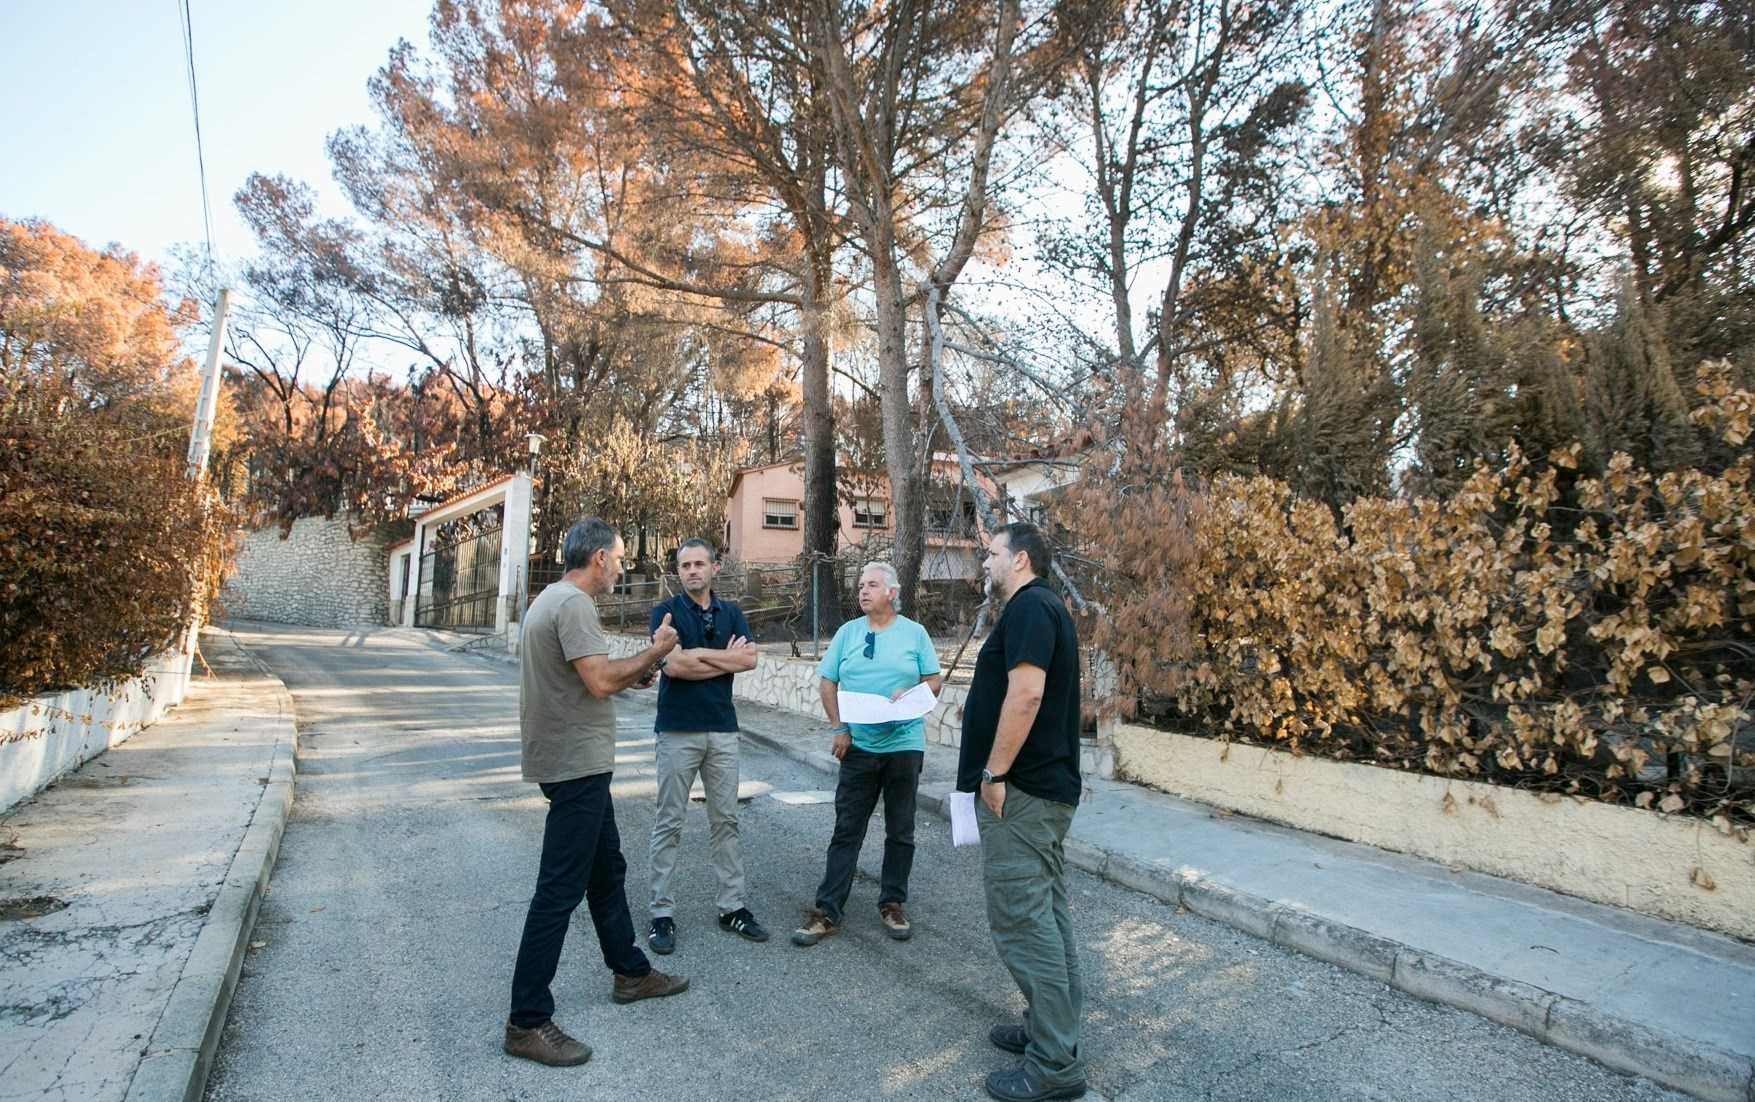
52,734
1673,867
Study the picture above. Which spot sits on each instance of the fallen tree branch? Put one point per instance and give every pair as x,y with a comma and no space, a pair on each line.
983,511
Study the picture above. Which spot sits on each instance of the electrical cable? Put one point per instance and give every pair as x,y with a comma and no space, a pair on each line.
186,21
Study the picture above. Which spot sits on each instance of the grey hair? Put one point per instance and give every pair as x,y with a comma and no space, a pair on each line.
891,579
585,539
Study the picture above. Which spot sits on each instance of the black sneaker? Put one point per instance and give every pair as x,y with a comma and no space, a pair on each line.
662,939
1012,1038
1021,1084
743,924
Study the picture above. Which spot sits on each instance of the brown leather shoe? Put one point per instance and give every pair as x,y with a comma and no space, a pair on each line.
895,922
547,1044
816,927
653,985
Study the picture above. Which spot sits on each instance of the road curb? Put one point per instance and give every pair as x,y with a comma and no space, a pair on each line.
180,1054
1702,1070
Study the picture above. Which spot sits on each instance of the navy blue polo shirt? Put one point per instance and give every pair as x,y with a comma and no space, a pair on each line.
698,705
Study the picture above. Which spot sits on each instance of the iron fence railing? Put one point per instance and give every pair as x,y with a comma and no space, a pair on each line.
460,584
764,593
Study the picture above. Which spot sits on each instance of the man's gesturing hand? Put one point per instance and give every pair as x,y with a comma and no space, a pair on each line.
665,637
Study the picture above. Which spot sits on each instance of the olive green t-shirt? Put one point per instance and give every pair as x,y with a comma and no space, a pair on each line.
567,732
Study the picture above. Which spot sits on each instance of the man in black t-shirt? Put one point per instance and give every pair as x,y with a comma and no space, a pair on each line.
1020,754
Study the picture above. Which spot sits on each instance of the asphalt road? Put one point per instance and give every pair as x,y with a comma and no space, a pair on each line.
383,954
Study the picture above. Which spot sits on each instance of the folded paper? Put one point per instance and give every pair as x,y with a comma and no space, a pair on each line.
964,832
869,708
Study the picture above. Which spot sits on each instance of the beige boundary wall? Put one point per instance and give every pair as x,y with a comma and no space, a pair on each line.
49,735
1669,866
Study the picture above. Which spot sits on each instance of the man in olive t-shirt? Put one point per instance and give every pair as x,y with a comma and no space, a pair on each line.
567,723
566,731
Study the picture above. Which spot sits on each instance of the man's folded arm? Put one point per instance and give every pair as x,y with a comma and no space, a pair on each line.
705,663
690,665
735,659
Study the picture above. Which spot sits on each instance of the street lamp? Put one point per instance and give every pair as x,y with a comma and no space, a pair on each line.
534,440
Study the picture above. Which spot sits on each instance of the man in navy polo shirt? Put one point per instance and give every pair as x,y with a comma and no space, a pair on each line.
697,734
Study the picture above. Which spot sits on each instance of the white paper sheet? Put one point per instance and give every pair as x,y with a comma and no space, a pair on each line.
964,832
871,708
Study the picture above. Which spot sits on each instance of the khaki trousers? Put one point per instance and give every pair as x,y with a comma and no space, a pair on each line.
680,757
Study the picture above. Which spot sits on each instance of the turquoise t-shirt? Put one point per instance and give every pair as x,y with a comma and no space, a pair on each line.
902,657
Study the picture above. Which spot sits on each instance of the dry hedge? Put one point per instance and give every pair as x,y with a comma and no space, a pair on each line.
107,550
1537,628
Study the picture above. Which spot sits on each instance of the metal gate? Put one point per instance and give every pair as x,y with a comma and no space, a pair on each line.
460,576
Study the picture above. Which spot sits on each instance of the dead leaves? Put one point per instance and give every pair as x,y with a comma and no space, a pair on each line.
1488,635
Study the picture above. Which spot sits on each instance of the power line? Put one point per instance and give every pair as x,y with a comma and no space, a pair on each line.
186,21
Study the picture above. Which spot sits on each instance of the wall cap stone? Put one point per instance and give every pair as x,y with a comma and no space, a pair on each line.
1622,856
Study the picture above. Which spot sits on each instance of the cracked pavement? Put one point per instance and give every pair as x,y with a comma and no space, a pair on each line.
387,938
136,843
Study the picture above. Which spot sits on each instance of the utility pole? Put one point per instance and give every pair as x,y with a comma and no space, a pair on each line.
200,444
201,436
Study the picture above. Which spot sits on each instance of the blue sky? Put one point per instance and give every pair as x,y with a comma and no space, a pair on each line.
100,141
95,99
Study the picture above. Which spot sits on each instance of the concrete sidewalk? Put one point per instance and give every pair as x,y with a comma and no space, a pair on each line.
128,890
1657,999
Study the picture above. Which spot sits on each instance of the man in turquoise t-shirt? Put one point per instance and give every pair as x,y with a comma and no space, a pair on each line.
885,654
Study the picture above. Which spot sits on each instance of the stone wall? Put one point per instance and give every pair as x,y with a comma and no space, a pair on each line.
317,577
789,683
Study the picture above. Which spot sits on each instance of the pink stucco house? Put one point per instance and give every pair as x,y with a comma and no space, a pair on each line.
764,518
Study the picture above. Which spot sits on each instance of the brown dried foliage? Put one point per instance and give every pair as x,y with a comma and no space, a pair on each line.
1534,628
107,550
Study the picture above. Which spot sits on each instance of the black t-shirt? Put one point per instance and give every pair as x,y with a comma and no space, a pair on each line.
1035,628
698,705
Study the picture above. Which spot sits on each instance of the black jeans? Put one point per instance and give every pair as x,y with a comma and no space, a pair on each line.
581,859
864,777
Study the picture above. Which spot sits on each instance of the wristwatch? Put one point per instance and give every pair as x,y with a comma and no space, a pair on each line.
988,776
